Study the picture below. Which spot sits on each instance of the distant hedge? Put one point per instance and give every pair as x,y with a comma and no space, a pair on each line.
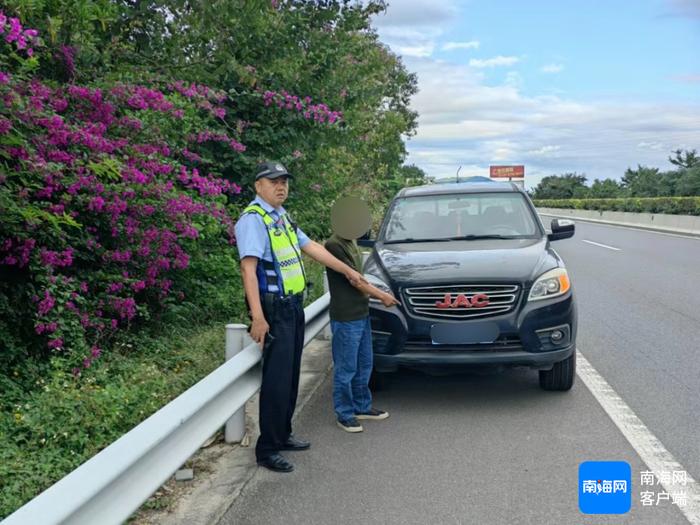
668,205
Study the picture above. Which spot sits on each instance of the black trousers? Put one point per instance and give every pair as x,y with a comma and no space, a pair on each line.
281,364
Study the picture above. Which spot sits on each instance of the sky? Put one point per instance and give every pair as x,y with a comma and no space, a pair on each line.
592,87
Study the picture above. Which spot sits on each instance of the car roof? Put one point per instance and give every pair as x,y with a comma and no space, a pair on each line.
460,187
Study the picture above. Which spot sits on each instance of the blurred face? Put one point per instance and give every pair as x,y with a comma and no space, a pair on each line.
273,191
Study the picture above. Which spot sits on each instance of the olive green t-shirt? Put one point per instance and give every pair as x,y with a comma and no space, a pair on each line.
347,302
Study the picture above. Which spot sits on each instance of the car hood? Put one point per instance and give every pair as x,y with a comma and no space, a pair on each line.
505,260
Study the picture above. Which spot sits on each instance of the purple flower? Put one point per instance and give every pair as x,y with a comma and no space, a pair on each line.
57,259
114,287
55,343
46,303
68,56
5,126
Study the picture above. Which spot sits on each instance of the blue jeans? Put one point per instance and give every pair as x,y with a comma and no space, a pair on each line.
352,366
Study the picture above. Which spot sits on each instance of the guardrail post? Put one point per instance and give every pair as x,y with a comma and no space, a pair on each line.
235,342
326,334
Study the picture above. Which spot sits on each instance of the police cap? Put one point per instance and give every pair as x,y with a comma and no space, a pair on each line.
271,170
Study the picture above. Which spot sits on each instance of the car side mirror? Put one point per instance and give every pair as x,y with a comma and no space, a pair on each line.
561,229
365,241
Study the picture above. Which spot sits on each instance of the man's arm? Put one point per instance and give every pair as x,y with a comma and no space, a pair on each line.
259,326
387,299
363,286
320,254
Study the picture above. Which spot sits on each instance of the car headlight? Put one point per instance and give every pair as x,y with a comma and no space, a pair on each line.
550,284
377,283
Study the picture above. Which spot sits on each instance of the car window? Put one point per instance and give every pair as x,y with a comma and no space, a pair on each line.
444,216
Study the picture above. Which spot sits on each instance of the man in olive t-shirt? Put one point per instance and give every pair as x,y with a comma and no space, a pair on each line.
349,313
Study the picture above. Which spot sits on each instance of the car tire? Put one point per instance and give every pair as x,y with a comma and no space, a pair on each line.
378,381
561,376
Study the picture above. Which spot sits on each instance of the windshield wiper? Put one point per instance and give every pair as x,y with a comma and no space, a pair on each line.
480,237
411,239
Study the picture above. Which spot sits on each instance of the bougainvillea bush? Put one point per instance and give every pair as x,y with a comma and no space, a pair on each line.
105,200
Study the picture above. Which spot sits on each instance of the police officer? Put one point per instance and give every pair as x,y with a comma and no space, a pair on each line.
269,247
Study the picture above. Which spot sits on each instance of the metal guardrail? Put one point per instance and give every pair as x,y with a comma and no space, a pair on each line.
111,485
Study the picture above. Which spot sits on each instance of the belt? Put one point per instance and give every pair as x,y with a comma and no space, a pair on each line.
268,299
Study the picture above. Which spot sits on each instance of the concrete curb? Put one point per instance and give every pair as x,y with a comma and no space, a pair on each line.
227,469
562,213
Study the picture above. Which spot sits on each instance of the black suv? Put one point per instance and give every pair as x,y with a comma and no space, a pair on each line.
478,282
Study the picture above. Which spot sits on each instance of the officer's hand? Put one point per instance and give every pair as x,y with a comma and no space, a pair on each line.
389,300
258,330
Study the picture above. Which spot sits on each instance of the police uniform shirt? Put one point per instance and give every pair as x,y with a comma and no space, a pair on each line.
252,237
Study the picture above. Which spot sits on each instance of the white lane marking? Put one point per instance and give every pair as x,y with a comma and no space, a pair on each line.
647,445
621,226
602,245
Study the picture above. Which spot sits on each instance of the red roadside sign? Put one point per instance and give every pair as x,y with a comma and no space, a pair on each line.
506,172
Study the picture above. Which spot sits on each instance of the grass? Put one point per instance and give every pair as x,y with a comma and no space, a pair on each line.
63,421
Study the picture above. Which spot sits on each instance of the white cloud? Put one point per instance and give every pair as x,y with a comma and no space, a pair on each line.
689,8
545,151
493,62
687,79
424,50
656,146
450,46
411,41
417,13
463,121
552,68
514,79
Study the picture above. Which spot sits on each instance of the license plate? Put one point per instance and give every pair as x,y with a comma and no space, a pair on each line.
464,333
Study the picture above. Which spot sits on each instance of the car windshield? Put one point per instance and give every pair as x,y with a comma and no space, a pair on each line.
463,215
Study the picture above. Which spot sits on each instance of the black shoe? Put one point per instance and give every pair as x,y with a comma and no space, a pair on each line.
350,425
293,443
277,463
373,413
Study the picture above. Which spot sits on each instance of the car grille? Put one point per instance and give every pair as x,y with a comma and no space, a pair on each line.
420,301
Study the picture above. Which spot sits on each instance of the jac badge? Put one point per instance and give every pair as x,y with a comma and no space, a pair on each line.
478,300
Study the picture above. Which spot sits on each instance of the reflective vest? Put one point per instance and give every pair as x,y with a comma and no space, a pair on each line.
286,267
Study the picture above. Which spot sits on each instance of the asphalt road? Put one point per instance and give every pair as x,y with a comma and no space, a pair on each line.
639,325
495,448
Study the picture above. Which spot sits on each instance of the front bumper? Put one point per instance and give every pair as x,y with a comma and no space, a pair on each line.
428,359
402,340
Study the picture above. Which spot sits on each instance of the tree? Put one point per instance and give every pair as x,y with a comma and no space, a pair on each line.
605,189
685,159
688,184
413,175
561,186
642,182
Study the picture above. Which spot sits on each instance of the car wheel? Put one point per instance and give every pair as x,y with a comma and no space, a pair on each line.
561,376
378,381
